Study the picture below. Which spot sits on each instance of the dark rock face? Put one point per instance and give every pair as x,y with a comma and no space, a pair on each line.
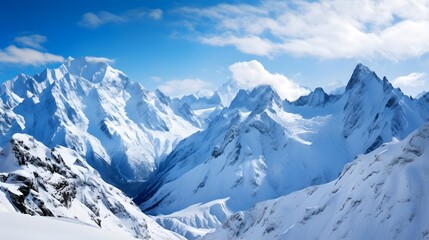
58,182
26,198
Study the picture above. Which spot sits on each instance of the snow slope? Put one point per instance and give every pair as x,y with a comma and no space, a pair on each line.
122,129
261,147
381,195
24,227
58,182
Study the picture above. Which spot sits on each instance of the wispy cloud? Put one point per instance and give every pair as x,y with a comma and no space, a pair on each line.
250,74
33,41
156,14
27,56
388,29
412,84
181,87
156,78
94,20
99,60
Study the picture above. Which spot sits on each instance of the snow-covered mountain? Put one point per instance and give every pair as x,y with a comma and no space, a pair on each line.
195,161
221,97
381,195
207,107
262,147
58,182
317,98
122,129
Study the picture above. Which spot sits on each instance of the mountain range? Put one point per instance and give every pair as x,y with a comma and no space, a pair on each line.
82,140
262,147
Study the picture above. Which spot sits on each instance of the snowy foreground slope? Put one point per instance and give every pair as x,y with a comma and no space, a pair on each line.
24,227
59,183
122,129
381,195
262,147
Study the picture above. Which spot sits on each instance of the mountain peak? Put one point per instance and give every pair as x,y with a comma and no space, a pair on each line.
257,99
361,74
316,98
90,68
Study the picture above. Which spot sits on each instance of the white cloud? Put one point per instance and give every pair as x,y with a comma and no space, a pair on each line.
156,14
99,60
27,56
251,45
412,84
178,88
94,20
33,41
248,75
390,29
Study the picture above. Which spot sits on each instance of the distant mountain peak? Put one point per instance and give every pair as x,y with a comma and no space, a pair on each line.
316,98
257,99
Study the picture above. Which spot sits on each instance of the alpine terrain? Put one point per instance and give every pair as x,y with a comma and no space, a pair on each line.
262,147
87,146
121,129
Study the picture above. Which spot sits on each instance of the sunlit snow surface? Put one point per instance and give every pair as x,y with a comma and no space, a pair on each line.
23,227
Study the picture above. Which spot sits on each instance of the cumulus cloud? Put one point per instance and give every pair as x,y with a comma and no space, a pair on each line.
94,20
27,56
33,41
179,88
412,84
248,75
388,29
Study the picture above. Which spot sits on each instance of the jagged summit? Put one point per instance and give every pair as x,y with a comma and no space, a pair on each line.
316,98
256,100
91,68
361,74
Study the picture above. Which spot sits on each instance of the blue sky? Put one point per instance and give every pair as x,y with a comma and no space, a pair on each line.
190,45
